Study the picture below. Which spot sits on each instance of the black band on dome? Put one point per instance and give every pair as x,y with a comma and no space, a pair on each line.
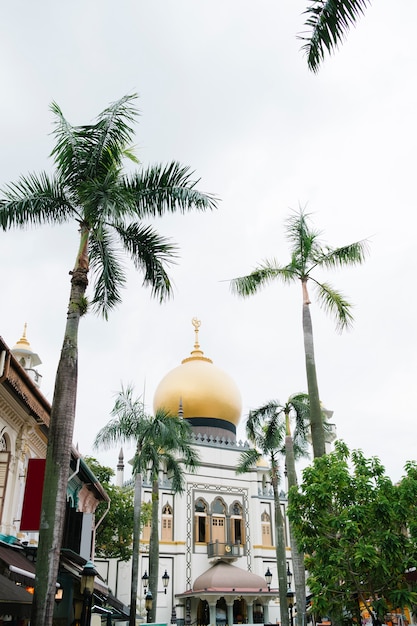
211,422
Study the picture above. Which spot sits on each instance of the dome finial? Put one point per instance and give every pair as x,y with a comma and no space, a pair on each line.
23,340
196,323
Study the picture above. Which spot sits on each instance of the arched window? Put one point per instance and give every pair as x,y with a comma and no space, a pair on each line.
200,521
218,521
236,523
266,529
167,526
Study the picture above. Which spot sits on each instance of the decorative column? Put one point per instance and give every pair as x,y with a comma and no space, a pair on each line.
213,612
249,605
230,612
266,612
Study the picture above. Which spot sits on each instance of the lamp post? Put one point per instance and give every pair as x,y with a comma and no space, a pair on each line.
290,596
165,581
148,606
87,588
268,578
148,594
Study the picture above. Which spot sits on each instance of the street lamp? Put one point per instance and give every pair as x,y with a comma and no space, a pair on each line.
148,594
165,581
148,606
268,578
290,596
87,588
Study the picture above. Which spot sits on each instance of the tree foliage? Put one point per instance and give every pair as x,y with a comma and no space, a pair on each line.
163,441
114,534
108,205
352,522
328,22
308,256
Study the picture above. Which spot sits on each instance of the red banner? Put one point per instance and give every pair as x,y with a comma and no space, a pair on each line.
32,501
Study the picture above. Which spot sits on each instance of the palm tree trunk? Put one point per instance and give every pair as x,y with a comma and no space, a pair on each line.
316,420
58,459
154,550
280,549
137,503
297,556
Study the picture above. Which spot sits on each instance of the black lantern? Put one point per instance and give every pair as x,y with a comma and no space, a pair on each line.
87,589
165,581
290,596
145,579
268,578
148,606
289,576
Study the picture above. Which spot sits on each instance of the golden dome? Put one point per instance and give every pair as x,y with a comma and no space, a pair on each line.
200,392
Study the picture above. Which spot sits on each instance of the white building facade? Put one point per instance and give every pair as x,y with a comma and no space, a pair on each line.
216,538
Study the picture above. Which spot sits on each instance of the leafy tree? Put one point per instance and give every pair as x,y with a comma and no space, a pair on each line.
269,429
307,256
297,407
329,21
114,534
266,431
108,206
162,441
351,520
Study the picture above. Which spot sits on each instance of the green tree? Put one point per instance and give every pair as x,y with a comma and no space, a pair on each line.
269,429
329,22
108,206
307,256
162,441
266,431
298,408
113,538
351,521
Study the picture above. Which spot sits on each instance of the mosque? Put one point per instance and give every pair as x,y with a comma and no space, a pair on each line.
217,537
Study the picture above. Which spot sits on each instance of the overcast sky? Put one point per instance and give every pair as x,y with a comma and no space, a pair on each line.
224,88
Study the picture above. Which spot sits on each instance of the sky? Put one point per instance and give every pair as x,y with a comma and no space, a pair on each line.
224,88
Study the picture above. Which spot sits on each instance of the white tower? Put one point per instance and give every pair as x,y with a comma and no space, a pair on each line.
27,358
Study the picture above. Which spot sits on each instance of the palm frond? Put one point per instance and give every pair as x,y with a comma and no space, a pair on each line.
261,276
108,274
112,133
265,426
333,302
352,254
68,153
128,421
150,253
34,200
329,21
247,460
168,188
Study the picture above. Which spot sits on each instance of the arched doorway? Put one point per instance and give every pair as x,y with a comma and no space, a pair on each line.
240,613
203,613
221,611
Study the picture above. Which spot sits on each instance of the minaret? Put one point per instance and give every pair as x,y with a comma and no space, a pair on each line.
27,358
120,470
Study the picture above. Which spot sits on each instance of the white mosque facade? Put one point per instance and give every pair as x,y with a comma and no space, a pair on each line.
217,537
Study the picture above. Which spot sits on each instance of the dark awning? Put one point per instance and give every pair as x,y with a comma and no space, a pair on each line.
22,569
14,599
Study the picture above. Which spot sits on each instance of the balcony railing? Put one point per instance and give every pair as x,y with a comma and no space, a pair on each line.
225,550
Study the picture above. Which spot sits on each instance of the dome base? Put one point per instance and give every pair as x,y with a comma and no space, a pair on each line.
213,427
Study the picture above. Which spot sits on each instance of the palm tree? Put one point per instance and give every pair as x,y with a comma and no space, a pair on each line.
267,436
307,255
162,440
329,21
90,188
274,419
